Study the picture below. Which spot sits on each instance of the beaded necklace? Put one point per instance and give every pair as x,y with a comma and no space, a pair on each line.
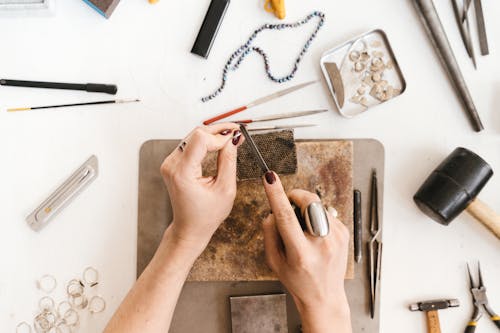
240,54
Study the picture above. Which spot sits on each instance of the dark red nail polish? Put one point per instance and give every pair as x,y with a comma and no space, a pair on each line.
236,137
225,132
270,178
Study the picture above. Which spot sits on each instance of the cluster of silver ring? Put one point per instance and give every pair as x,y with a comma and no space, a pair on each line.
64,317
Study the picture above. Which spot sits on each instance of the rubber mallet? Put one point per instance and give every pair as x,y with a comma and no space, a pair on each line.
453,187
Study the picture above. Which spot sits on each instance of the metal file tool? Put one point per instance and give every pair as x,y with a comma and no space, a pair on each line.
314,218
258,156
259,101
278,127
432,23
481,28
63,195
280,116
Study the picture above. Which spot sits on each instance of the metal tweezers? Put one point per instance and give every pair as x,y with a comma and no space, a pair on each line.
462,19
374,245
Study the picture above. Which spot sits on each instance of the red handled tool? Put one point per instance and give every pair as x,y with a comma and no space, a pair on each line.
261,100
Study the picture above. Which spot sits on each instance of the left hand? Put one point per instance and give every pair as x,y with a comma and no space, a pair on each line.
200,204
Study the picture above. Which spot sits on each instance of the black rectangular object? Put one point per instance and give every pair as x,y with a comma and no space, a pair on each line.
210,27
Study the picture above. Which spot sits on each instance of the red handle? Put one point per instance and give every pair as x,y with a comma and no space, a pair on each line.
224,115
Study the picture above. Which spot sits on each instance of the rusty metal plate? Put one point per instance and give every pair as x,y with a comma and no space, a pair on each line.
257,314
236,251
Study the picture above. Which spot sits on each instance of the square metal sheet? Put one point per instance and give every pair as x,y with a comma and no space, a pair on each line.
257,314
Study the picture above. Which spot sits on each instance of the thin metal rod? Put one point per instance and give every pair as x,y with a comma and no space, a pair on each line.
481,28
432,23
255,150
279,127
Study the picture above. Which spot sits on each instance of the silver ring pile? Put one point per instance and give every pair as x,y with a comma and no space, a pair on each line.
65,317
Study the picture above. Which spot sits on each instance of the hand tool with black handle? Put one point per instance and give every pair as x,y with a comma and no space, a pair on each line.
89,87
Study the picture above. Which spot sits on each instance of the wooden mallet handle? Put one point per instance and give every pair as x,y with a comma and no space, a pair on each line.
484,214
433,325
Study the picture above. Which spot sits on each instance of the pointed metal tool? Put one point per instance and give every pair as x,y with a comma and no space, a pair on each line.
258,156
279,127
434,28
480,299
280,116
481,27
462,19
261,100
374,246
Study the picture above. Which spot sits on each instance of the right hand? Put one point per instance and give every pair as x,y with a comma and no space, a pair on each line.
311,268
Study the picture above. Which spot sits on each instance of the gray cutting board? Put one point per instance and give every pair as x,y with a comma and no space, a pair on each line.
204,306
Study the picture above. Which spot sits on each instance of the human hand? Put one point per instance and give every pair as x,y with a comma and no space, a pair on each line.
200,204
311,268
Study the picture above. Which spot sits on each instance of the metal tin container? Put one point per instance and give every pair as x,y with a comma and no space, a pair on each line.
362,73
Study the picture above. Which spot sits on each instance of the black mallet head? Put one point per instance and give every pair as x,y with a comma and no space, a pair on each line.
453,185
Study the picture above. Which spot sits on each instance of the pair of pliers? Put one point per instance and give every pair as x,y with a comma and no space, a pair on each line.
480,300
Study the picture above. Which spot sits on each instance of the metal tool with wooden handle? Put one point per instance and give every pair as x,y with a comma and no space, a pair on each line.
452,188
431,309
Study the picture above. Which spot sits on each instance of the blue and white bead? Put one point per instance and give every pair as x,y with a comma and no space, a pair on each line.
240,54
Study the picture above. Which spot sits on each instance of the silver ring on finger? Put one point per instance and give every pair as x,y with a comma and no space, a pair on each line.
182,146
317,219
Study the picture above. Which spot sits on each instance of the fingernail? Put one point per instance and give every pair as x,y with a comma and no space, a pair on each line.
236,137
270,178
225,132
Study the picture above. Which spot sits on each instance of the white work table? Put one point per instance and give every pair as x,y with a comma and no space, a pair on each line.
145,50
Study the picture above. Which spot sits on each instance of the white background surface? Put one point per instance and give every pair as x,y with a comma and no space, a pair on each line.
145,50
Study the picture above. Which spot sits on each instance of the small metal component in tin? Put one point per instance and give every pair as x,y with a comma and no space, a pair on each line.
366,64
